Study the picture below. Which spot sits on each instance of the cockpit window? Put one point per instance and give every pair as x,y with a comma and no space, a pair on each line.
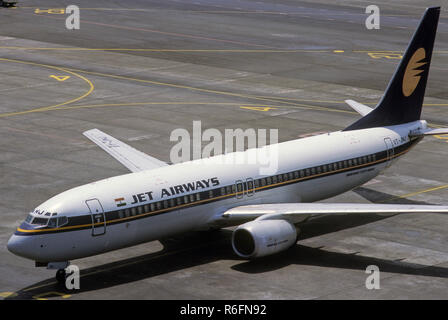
62,221
40,221
29,218
52,223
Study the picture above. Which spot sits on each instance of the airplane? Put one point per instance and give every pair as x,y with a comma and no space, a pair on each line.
157,200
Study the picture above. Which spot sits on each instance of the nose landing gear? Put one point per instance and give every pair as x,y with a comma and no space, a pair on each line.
61,276
60,266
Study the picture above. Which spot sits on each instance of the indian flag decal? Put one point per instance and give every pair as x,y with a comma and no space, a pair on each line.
120,202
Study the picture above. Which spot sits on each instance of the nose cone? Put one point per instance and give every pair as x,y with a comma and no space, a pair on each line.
20,246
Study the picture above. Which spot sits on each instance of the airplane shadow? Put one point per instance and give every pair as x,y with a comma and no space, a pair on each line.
198,248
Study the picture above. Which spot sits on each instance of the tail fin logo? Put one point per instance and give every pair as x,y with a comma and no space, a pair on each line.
412,73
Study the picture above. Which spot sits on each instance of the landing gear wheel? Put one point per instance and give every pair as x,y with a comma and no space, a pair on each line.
60,276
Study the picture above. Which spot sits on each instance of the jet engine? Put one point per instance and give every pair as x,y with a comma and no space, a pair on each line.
263,237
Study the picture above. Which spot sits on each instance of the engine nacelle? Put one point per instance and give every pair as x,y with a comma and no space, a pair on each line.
263,237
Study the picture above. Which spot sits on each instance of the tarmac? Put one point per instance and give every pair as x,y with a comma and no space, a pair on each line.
137,70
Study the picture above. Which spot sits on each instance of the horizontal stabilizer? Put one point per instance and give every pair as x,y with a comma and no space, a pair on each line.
131,158
359,107
429,132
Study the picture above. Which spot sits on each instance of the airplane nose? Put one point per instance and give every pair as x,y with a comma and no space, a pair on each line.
16,244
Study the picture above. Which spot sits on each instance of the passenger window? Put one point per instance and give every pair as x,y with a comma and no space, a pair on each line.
355,162
257,183
308,172
296,174
159,205
228,190
350,162
120,214
127,212
274,179
186,199
191,197
268,180
313,170
210,194
165,204
140,210
223,191
285,177
319,169
172,204
263,182
152,206
198,196
133,211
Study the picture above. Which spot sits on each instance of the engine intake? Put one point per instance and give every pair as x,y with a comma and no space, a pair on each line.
263,237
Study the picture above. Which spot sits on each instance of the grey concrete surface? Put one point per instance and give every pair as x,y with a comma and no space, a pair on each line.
140,69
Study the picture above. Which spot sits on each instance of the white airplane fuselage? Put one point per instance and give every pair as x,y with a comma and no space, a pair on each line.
154,204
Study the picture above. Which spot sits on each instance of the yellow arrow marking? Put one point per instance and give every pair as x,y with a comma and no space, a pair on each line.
258,108
8,294
51,294
50,11
60,78
387,55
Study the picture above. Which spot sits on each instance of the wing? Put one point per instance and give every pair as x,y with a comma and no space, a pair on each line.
131,158
296,212
359,107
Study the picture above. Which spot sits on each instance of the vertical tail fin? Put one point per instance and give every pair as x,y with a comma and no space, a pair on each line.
402,102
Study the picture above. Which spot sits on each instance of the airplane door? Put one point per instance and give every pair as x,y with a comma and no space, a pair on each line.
239,189
389,150
98,218
250,187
